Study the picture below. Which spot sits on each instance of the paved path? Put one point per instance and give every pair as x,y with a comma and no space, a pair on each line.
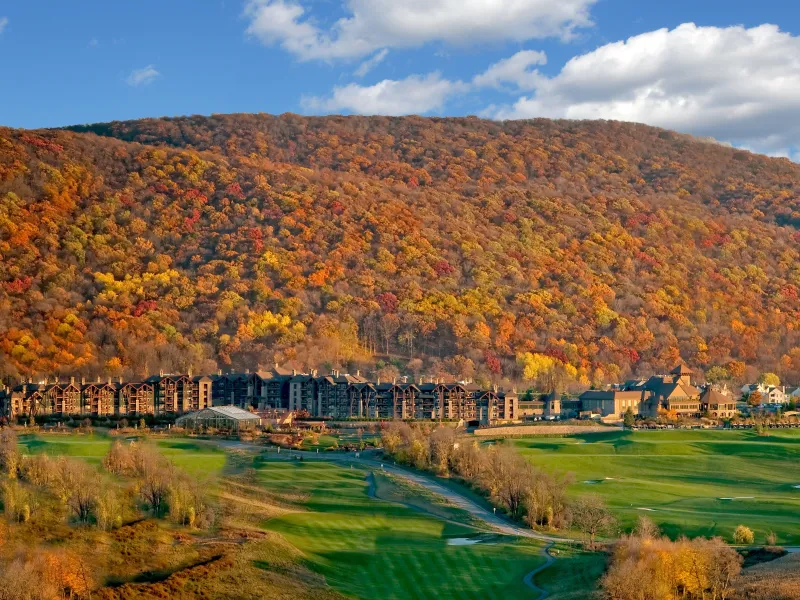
370,460
528,580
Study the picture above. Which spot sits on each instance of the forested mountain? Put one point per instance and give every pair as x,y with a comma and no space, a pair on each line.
443,247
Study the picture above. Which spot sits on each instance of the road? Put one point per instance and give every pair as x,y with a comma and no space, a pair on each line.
369,459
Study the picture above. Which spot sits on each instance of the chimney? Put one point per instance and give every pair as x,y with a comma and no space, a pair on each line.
109,380
191,371
276,366
161,373
294,372
119,379
247,371
83,380
72,380
394,381
45,380
358,372
219,372
379,380
99,379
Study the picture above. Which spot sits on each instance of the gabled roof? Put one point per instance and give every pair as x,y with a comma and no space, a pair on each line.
681,370
230,412
712,397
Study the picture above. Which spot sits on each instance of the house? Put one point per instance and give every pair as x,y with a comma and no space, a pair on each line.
770,394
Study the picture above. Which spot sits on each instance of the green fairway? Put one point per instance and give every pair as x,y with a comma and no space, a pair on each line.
379,550
92,447
195,457
689,482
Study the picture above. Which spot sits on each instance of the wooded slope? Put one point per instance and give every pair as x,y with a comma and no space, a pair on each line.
454,244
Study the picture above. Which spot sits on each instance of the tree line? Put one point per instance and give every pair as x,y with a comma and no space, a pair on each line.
522,490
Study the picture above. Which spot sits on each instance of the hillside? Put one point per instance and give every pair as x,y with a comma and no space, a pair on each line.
449,245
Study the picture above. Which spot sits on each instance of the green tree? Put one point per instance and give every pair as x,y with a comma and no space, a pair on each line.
716,374
629,419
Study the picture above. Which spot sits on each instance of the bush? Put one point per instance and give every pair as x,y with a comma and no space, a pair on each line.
743,535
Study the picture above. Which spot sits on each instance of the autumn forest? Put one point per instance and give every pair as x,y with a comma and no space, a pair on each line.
398,246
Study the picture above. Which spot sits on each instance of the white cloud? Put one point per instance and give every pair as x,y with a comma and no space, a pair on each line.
374,24
371,63
3,23
142,76
734,84
515,70
414,95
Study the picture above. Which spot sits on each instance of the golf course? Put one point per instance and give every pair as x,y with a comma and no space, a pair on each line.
369,535
689,482
376,549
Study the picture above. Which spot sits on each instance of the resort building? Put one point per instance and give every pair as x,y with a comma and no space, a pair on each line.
671,393
334,396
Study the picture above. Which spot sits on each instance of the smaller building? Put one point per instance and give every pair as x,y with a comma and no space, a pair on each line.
717,405
220,417
770,394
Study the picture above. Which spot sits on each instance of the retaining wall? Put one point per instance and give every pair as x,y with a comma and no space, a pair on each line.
542,430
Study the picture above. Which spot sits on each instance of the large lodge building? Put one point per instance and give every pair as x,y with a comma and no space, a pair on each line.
672,393
344,396
334,396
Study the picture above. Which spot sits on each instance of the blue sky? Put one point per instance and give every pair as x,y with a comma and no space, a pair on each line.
725,69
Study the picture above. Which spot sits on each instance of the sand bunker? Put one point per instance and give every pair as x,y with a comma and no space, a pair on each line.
462,541
593,481
740,498
647,509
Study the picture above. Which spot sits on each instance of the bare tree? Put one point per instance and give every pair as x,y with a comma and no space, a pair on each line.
646,529
442,445
591,516
155,481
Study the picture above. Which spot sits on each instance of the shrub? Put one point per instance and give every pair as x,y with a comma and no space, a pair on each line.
743,535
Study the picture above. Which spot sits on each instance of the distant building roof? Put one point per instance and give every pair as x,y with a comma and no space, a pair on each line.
681,369
229,412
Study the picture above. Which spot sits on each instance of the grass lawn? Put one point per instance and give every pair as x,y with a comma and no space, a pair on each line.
573,575
691,482
374,549
193,456
323,442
